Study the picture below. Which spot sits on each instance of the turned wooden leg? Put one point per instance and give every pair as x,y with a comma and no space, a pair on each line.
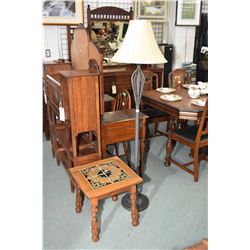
141,166
191,154
168,152
78,208
58,161
134,211
94,222
114,197
125,146
155,129
104,149
116,149
146,145
196,165
70,165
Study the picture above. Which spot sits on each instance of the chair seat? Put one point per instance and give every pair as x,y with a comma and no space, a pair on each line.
189,133
153,113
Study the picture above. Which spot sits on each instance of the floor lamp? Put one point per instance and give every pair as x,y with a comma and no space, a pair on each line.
138,47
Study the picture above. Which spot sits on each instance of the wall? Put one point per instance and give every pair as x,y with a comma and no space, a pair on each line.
182,37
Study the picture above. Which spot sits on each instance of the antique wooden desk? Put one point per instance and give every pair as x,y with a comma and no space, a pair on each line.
102,179
118,126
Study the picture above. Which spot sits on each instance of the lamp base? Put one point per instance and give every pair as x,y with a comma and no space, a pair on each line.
142,201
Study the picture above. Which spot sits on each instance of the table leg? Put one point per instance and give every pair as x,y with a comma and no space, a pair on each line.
104,149
78,200
94,222
169,144
134,211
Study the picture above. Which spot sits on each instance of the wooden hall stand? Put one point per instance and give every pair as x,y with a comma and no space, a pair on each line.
102,179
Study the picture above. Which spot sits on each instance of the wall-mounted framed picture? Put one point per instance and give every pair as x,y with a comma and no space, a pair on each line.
61,12
188,12
153,10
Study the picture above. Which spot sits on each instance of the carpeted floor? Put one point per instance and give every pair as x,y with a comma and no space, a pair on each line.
177,215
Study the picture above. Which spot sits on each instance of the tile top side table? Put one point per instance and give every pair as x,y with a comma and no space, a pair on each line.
101,179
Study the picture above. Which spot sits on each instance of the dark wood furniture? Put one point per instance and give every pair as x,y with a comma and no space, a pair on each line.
155,115
107,27
195,137
102,179
176,78
182,109
123,102
120,76
119,126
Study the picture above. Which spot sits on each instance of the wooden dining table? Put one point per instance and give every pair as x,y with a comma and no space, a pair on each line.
182,109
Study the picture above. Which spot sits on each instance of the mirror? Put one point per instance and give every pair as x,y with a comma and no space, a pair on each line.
108,36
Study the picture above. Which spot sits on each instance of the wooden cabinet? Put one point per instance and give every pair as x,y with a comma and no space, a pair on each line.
120,76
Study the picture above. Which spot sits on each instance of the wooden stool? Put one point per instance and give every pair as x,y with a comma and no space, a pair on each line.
102,179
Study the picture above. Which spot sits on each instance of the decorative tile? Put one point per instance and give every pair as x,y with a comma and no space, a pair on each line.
104,174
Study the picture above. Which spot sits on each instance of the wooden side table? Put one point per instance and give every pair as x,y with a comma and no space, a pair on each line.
119,126
102,179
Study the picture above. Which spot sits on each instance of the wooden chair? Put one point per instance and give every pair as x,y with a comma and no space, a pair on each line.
176,78
195,137
123,102
155,115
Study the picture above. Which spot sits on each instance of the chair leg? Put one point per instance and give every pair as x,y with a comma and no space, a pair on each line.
196,165
155,129
125,147
168,152
116,149
146,147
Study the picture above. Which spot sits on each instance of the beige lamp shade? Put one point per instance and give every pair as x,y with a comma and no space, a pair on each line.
139,45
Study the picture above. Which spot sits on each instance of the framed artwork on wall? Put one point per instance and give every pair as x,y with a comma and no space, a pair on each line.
188,12
61,12
152,10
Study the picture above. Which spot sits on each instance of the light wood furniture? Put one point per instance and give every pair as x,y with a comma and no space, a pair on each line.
54,101
119,126
80,92
102,179
195,137
50,68
203,245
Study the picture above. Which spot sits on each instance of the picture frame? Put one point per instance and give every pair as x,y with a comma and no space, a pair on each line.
152,10
188,12
62,12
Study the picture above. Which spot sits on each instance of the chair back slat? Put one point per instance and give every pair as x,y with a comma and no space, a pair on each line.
151,80
123,100
176,78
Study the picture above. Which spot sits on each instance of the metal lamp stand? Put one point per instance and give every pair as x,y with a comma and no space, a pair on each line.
137,80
